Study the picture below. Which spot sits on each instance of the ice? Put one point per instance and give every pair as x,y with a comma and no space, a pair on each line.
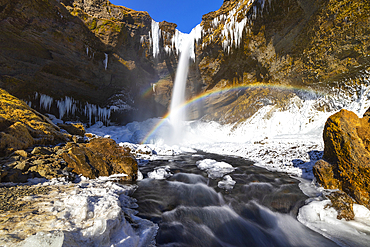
160,173
215,169
106,61
45,102
94,212
68,106
44,239
155,37
320,217
178,40
227,183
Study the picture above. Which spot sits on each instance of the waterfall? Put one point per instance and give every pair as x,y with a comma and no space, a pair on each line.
177,112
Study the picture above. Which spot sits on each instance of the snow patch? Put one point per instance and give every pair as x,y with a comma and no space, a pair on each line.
227,183
215,169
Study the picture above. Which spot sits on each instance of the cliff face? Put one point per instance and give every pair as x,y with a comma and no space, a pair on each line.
306,44
95,60
78,58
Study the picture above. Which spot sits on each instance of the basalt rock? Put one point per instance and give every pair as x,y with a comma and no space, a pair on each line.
347,156
22,127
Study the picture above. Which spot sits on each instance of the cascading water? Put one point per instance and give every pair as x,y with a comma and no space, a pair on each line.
177,112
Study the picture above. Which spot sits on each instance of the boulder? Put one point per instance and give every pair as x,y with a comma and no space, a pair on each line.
22,127
324,175
73,128
343,204
101,157
347,156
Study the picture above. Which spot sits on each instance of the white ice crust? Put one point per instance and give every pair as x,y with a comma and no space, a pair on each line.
91,213
215,169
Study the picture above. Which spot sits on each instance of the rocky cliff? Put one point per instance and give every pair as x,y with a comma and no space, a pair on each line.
97,61
317,45
82,59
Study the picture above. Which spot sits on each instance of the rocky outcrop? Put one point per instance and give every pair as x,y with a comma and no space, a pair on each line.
28,148
347,156
73,128
22,127
98,157
101,157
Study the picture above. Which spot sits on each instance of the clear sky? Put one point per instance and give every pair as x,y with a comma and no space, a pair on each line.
185,13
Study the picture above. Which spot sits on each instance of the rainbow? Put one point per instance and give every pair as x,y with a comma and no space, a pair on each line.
210,93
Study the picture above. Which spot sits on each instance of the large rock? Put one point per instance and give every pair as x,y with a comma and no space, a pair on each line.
347,152
101,157
22,127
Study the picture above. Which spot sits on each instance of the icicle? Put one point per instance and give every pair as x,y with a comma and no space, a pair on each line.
155,37
106,61
45,102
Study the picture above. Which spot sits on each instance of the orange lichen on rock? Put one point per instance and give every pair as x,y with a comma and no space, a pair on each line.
22,127
346,138
101,157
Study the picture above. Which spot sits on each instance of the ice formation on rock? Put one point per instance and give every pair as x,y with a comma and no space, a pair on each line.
68,106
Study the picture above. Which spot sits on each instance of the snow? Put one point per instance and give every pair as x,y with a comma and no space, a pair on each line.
215,169
160,173
95,212
227,183
320,217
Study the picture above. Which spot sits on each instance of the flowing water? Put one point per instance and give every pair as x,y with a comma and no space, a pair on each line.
191,209
177,113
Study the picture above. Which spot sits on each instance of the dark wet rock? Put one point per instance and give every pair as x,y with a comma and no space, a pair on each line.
41,151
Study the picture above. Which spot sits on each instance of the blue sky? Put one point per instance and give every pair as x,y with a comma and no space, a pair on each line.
185,13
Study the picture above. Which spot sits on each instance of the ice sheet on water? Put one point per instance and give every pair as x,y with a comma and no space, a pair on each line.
214,168
320,217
